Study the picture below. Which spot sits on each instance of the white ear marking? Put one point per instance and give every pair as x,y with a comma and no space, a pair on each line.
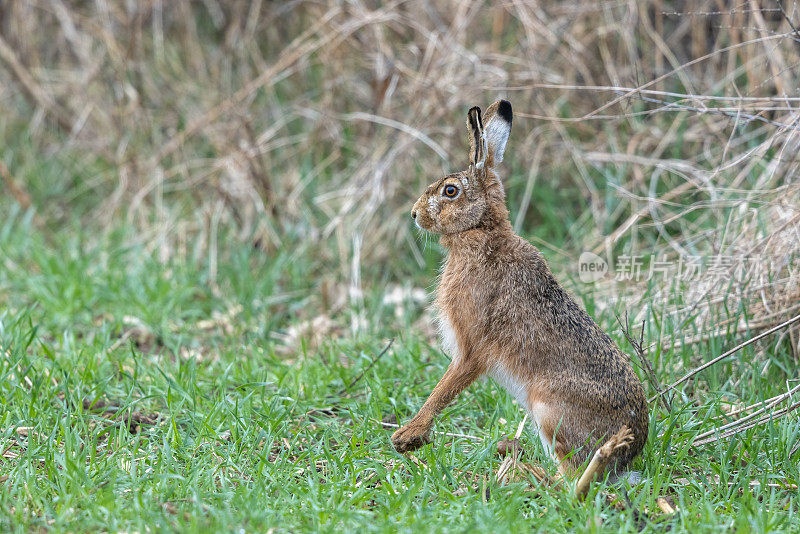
497,132
498,128
485,150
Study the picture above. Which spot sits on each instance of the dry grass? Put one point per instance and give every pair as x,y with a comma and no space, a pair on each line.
321,121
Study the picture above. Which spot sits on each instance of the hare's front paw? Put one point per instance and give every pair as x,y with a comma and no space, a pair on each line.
411,437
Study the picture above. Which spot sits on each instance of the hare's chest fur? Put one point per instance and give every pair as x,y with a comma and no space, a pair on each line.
447,334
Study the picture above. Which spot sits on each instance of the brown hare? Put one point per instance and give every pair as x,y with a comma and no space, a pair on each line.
502,313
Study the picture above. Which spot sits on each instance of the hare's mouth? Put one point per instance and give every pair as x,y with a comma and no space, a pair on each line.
423,223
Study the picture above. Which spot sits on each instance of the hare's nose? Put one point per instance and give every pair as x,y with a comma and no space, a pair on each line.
413,214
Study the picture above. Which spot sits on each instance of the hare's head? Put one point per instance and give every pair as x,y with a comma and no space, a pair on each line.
474,197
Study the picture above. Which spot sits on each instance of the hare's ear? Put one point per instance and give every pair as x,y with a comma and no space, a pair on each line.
477,138
498,127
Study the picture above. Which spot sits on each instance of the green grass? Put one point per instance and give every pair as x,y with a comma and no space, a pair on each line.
248,437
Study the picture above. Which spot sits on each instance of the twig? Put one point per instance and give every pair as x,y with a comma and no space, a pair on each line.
638,347
715,331
715,480
31,89
405,128
688,312
788,19
511,459
682,67
19,194
295,50
724,355
771,403
132,420
759,403
301,46
510,449
603,455
449,434
665,506
373,362
742,427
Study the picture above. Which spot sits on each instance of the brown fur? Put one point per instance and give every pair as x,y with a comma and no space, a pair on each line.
511,319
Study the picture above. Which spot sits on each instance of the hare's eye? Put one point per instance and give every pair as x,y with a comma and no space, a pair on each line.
450,191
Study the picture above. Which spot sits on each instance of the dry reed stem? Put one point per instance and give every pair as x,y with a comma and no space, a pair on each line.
449,434
644,361
762,403
682,67
22,197
745,424
31,88
510,461
725,354
665,506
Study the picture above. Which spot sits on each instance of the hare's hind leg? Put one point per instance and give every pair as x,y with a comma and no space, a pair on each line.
459,375
554,441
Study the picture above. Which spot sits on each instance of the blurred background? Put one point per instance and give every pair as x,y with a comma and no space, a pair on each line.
295,136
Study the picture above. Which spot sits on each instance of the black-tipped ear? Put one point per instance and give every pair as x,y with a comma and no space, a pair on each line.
477,153
504,111
498,128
